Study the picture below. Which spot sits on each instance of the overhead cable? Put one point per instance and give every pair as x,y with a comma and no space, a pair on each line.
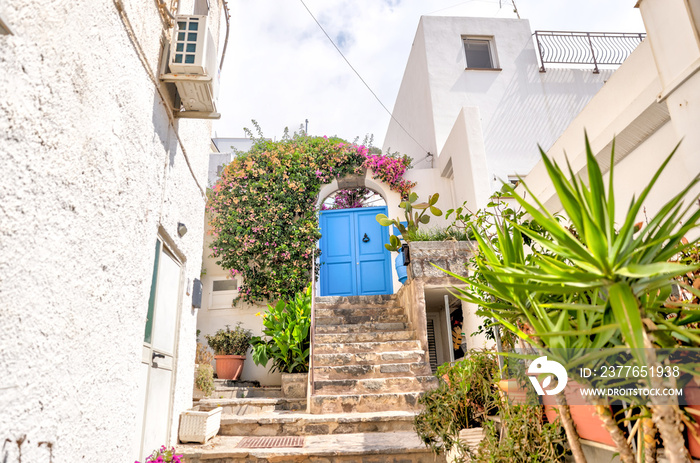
360,77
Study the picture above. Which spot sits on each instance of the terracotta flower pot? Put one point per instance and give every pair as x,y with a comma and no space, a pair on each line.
692,396
588,425
229,366
550,408
517,395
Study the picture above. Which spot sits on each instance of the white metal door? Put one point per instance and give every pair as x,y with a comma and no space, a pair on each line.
158,357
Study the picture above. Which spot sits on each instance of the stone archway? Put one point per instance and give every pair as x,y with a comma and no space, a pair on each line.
391,198
353,258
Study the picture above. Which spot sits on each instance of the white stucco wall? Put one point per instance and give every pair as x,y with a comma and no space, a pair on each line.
92,173
519,106
649,104
210,320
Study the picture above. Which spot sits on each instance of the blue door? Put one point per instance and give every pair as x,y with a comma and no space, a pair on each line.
354,260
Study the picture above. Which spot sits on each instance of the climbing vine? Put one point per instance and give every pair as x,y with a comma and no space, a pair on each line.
262,210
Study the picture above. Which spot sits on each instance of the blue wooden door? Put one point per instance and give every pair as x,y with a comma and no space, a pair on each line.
354,260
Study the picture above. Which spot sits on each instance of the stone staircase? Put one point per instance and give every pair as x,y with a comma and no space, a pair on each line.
366,357
369,371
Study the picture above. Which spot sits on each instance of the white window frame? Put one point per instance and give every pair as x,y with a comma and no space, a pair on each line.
492,51
232,293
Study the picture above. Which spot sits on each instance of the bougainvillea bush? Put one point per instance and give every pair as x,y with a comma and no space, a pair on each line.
262,209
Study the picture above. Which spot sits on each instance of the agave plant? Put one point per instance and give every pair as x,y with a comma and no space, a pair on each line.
595,284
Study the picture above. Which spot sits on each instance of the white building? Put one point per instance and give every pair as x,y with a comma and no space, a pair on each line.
473,97
101,169
473,107
650,103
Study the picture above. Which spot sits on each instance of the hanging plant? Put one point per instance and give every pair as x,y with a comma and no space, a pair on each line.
262,209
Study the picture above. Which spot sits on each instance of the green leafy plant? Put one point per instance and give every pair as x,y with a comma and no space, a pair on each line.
230,341
164,455
286,335
524,438
595,285
465,396
440,234
413,218
204,378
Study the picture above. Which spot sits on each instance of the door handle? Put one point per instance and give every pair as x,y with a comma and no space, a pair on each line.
365,239
157,355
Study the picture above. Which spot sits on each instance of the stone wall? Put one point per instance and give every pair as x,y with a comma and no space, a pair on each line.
449,255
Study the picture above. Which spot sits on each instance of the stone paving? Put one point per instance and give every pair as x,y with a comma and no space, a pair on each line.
394,447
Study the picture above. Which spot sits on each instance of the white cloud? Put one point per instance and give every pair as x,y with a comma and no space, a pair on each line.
281,69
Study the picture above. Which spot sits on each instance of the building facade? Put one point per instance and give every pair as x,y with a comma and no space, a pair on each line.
473,106
649,105
103,194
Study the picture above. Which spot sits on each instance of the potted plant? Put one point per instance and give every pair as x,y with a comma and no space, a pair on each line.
454,413
286,341
230,347
590,284
203,372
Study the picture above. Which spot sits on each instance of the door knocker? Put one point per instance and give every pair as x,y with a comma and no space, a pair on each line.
365,239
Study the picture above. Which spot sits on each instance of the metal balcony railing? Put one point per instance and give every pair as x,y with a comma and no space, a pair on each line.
594,48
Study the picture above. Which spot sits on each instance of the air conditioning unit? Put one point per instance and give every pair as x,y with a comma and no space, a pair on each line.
193,66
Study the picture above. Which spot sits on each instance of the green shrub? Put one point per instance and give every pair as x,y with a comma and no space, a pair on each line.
262,211
526,439
440,234
287,326
230,341
204,378
463,399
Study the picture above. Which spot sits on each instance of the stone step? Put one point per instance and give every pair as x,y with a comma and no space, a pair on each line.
359,319
375,385
385,300
368,358
361,327
224,392
238,406
304,424
376,336
381,447
357,347
390,370
390,401
359,312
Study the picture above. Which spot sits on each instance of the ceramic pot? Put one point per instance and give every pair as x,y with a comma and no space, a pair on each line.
692,396
550,408
401,268
229,366
517,395
588,425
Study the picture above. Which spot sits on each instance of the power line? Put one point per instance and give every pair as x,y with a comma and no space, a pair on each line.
360,77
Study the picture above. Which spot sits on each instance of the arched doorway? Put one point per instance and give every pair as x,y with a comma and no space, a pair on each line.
354,261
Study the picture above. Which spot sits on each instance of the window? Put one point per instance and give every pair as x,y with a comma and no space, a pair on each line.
223,291
479,53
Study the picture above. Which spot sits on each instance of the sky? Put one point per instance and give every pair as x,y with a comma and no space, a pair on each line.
280,69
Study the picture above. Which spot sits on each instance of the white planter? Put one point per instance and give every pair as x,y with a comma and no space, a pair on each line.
471,439
196,426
